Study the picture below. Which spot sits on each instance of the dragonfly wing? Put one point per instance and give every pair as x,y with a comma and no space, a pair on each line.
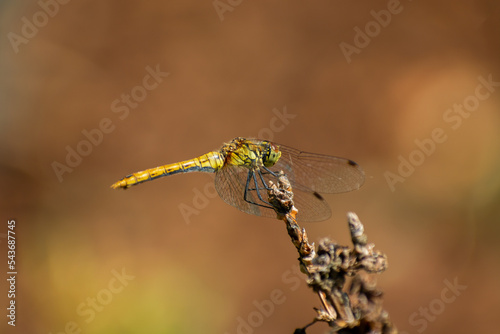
230,182
321,173
311,205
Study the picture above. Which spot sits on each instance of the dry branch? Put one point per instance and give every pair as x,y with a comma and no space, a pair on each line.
346,308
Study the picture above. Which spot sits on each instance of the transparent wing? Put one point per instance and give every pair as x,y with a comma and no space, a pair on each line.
231,181
311,205
321,173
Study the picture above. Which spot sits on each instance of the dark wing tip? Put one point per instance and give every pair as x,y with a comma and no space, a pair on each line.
360,173
318,195
352,163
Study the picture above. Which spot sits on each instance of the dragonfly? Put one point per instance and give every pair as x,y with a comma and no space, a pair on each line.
243,168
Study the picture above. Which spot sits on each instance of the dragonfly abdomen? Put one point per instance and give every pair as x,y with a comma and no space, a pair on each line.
208,163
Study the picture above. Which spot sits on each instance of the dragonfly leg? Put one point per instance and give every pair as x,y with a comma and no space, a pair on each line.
252,176
270,171
262,177
266,172
249,176
257,185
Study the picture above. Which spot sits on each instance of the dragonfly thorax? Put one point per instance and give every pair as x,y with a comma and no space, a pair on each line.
251,154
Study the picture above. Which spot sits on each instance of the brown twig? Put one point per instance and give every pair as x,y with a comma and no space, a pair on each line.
356,308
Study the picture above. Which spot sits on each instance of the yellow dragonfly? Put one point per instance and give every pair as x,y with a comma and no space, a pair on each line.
244,167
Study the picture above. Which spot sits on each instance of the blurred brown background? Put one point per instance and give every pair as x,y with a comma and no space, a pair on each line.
235,69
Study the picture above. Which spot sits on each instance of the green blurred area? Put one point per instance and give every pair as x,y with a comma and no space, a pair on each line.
269,70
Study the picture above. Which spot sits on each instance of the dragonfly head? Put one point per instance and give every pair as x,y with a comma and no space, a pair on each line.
271,154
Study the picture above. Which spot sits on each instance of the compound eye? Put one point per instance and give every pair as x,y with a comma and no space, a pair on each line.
272,155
